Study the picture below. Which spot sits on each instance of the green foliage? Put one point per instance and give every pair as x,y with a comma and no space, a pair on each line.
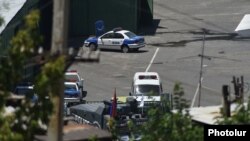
29,118
15,126
165,124
180,103
112,128
22,49
170,125
240,116
93,138
28,38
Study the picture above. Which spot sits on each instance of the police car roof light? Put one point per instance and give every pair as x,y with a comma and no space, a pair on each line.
117,29
141,77
147,77
72,71
71,80
153,76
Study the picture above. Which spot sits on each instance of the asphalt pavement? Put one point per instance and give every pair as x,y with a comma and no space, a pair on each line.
178,35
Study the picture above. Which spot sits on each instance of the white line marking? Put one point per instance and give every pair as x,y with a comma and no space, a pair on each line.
210,89
196,92
220,14
152,60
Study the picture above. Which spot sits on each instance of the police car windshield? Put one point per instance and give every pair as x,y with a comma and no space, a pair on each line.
70,87
130,34
147,89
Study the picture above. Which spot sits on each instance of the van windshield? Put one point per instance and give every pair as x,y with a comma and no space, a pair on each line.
147,89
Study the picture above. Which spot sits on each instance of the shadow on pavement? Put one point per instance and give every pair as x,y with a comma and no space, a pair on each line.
150,29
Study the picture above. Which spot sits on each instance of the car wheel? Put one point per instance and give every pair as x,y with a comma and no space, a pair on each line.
92,47
136,49
125,49
81,95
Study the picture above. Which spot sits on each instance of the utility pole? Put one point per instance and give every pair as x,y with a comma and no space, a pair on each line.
201,67
58,47
238,84
226,101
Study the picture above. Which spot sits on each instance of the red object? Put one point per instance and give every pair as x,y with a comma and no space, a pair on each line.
71,80
153,76
114,106
141,77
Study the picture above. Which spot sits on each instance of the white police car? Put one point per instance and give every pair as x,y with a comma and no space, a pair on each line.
73,76
71,90
117,39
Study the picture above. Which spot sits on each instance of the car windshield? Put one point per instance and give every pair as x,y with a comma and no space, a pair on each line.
130,34
147,89
71,78
70,87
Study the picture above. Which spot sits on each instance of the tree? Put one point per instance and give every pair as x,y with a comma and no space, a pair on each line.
171,124
29,118
241,115
165,124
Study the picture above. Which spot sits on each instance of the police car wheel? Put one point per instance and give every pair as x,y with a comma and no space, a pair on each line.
136,49
80,96
125,49
92,47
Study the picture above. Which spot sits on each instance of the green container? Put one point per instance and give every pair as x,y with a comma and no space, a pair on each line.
128,14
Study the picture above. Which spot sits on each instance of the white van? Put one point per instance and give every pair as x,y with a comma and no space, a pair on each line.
146,84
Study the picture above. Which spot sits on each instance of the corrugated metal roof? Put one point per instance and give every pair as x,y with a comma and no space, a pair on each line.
80,132
209,114
8,9
206,115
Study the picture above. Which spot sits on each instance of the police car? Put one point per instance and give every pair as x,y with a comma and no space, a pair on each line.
117,39
71,90
73,76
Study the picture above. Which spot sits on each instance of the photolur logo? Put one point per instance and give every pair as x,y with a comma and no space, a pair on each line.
232,132
235,132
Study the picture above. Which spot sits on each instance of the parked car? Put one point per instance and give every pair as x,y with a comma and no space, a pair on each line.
26,89
71,90
73,76
117,39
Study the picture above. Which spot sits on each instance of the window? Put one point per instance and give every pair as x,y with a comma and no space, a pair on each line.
118,36
70,87
130,34
108,35
147,89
